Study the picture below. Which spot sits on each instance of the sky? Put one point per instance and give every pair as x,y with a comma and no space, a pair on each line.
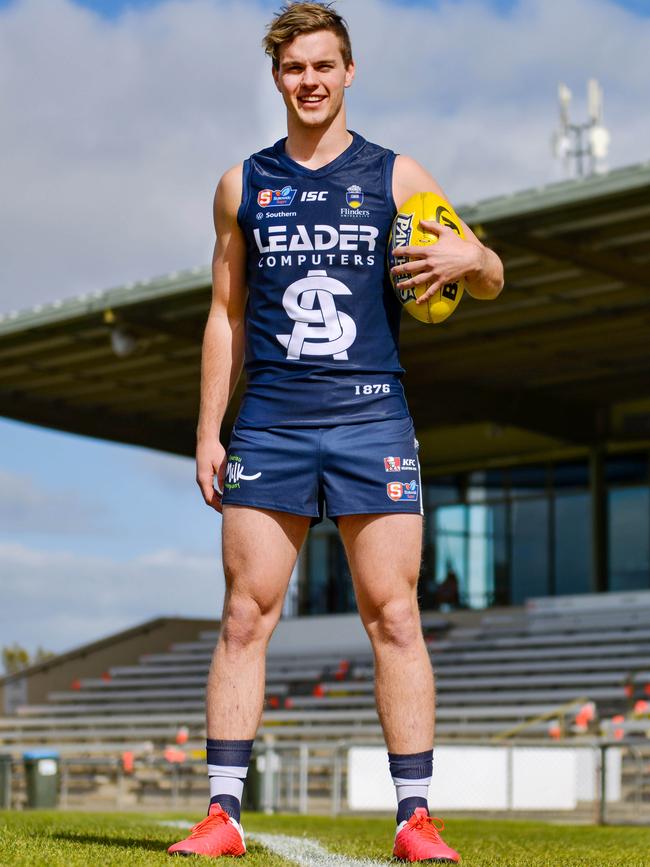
118,119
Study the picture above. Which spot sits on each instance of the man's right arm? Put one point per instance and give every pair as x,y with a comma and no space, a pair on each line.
223,340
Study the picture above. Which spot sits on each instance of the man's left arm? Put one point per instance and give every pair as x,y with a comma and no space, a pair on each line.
452,257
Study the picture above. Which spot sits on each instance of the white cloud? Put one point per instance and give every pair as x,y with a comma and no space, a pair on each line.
115,132
59,600
174,473
27,506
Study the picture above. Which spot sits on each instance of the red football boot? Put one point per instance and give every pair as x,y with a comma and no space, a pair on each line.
419,840
218,834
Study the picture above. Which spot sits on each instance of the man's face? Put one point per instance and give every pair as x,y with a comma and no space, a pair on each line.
312,77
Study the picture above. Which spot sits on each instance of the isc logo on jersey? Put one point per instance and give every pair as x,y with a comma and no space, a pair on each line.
276,198
314,196
320,329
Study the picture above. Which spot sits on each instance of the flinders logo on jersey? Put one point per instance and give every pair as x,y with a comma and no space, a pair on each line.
354,198
276,198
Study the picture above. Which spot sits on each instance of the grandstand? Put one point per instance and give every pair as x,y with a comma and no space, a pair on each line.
528,674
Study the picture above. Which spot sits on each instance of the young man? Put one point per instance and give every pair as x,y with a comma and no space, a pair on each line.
300,289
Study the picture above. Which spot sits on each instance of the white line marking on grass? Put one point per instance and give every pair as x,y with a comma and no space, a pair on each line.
300,850
309,853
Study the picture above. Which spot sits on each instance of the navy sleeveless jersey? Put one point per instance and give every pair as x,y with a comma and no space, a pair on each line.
322,322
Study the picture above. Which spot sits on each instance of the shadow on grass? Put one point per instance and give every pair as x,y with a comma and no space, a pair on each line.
103,840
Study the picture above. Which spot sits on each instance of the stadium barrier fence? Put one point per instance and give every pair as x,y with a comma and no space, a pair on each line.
602,782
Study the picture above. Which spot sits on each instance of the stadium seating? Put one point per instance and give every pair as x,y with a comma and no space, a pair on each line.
525,673
508,672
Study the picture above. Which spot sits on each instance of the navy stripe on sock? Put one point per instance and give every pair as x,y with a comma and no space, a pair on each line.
415,766
228,803
230,753
407,807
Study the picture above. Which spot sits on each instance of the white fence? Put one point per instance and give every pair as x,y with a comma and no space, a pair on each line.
491,778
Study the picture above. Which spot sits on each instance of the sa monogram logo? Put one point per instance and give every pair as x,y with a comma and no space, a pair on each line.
320,329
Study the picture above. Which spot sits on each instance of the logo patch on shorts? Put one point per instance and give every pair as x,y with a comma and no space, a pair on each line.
235,473
400,465
402,490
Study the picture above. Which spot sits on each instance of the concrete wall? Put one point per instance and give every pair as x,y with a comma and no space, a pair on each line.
91,660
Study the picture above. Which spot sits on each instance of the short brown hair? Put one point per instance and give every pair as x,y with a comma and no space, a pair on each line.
294,19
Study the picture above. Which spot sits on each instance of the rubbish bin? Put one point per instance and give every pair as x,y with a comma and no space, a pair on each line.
42,778
5,782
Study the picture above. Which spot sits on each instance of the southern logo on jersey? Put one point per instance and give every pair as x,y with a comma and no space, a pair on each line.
402,490
320,329
235,473
354,196
276,198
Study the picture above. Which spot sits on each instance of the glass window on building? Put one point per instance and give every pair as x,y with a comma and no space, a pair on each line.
449,528
629,468
629,538
529,480
529,567
471,543
328,588
573,546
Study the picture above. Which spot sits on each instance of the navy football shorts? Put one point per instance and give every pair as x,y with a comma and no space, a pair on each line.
351,469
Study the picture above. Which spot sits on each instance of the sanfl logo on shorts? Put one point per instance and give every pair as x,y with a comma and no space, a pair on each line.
320,329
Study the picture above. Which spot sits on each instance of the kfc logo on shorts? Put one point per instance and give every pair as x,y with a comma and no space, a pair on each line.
392,465
409,464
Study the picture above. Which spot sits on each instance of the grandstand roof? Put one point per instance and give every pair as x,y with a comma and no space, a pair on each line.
561,359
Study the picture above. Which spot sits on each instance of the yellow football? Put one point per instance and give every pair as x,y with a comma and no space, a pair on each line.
407,232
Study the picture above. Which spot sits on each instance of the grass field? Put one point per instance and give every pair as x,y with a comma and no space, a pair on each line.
88,839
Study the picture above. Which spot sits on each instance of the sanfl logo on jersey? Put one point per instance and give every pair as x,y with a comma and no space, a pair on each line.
320,329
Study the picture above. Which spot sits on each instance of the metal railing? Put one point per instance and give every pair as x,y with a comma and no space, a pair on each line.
595,780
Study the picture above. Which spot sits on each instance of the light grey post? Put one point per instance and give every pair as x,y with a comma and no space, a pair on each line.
175,770
120,784
509,779
64,783
336,781
267,782
602,796
304,779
